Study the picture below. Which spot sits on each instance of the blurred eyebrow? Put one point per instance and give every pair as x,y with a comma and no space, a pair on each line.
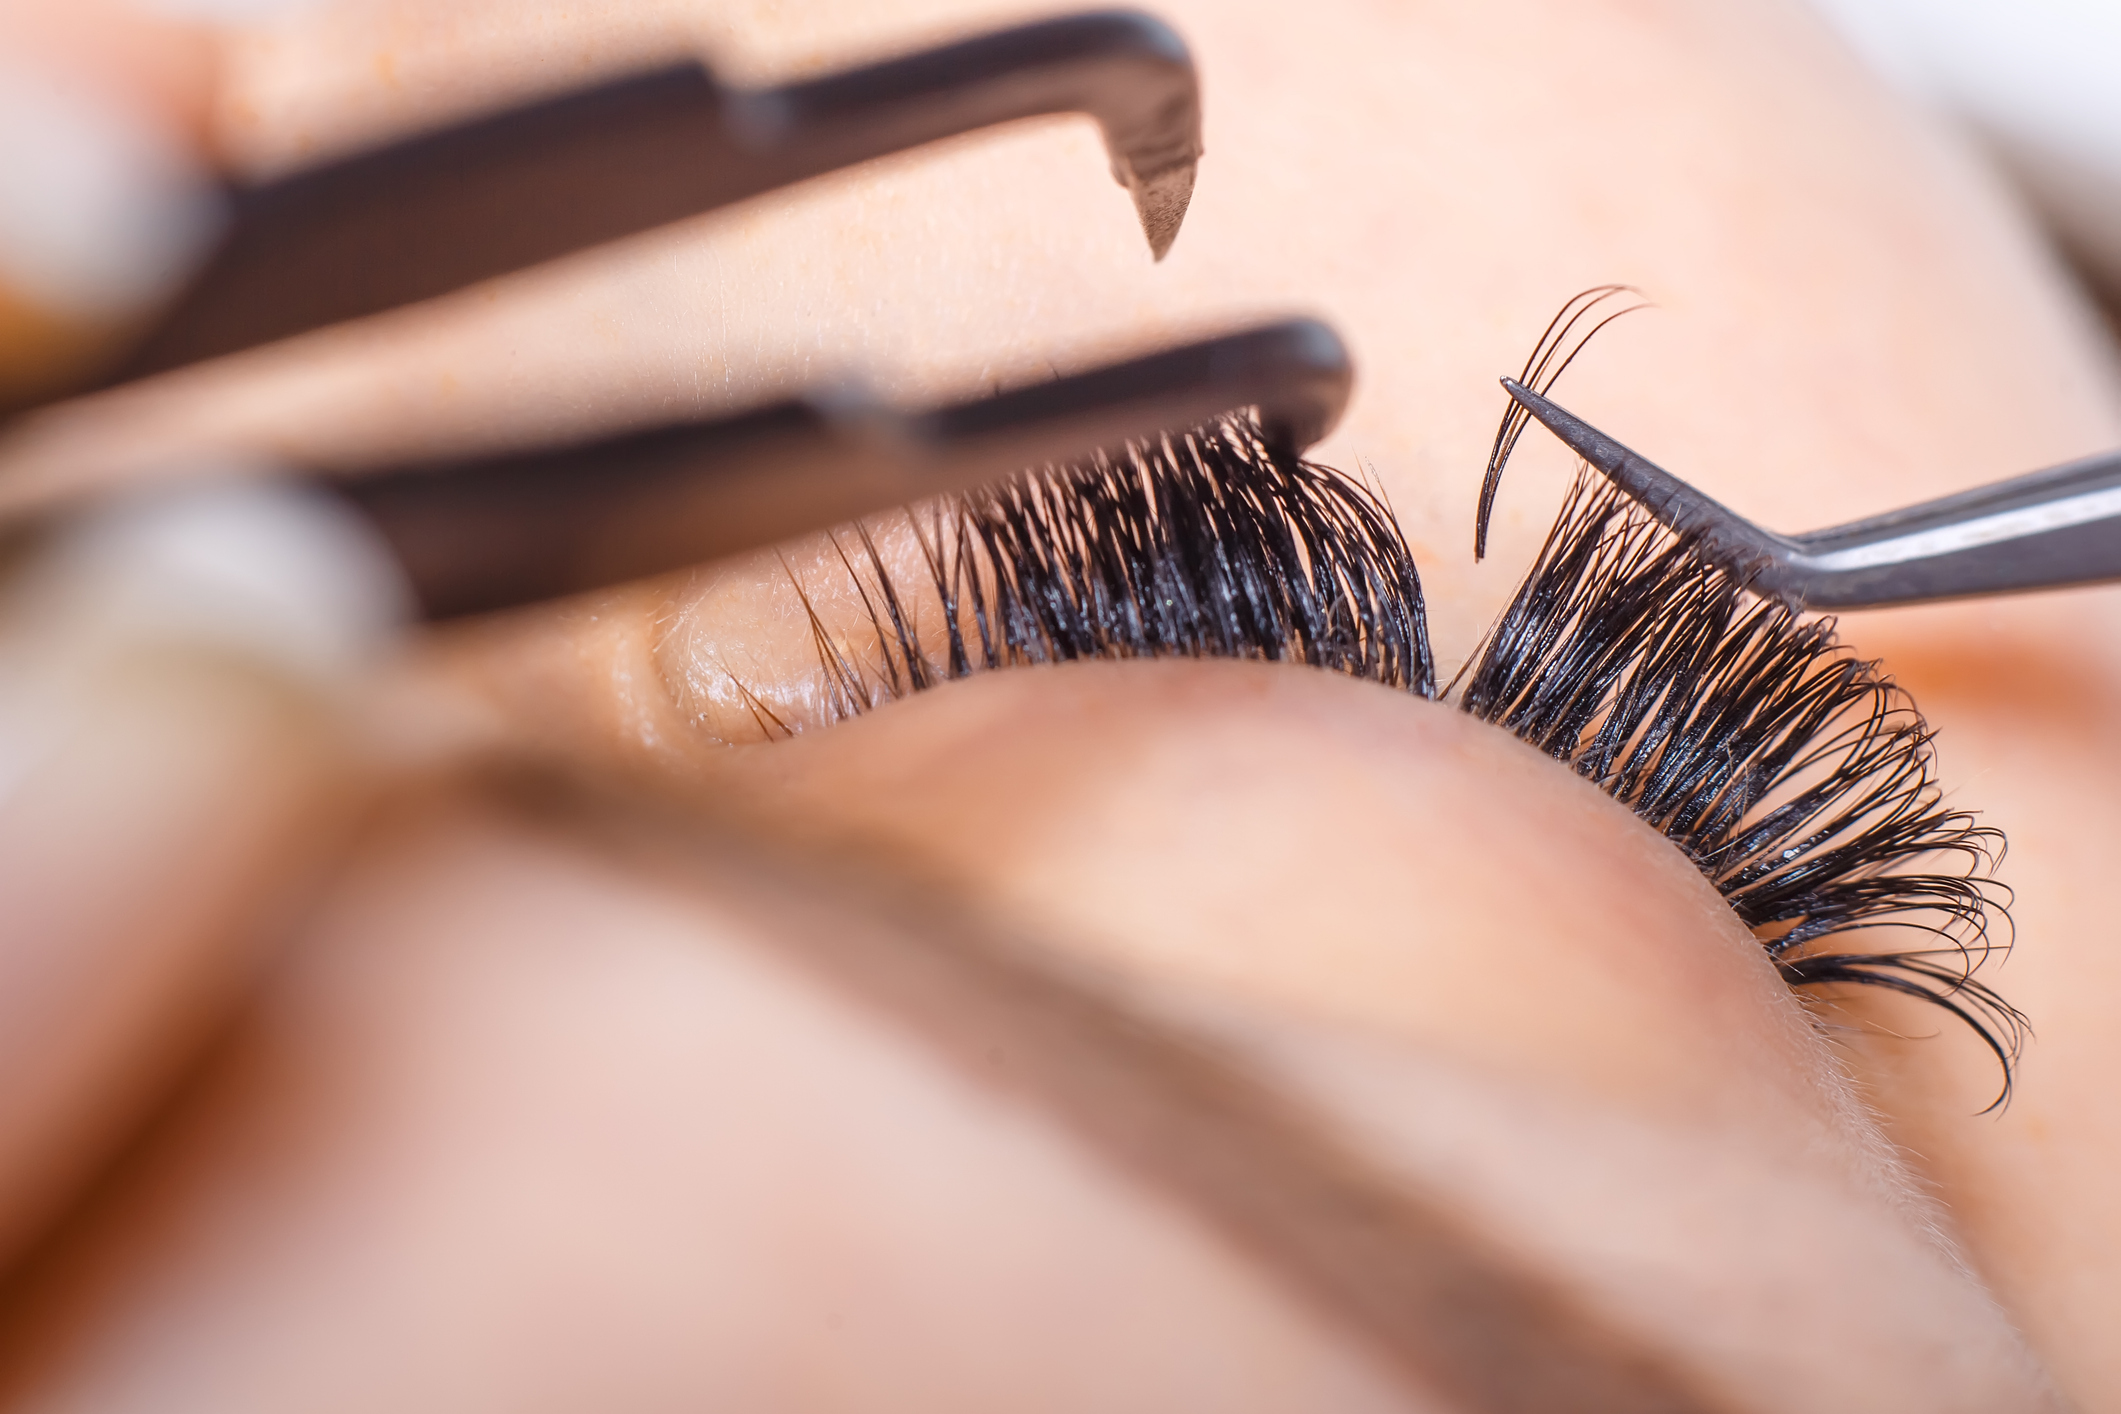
1182,1110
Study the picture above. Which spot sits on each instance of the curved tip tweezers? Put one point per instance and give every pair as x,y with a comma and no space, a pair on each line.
431,214
2047,530
496,532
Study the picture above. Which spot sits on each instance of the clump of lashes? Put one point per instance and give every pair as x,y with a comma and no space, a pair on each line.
1215,543
1798,780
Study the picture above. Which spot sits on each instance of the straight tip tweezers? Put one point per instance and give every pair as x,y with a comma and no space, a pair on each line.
2047,530
433,213
477,534
483,534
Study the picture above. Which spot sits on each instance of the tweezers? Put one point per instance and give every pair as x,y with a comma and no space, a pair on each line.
2046,530
491,533
431,214
422,217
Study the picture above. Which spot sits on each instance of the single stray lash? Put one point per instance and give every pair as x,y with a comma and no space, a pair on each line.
1798,780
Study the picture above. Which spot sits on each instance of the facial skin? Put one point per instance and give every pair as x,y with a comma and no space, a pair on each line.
545,1129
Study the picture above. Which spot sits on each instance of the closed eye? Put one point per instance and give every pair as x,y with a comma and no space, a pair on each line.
1794,776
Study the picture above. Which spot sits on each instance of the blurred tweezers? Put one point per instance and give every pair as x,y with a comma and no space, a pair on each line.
433,213
2046,530
428,215
490,533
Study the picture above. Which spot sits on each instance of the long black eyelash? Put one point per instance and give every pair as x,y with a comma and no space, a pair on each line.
1211,543
1797,779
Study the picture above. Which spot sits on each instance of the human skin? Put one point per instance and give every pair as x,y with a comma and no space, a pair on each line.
1831,277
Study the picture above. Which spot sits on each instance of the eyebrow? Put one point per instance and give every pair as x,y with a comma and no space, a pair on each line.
1792,774
1184,1109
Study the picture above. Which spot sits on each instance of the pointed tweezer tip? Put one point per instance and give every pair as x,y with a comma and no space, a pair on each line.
1726,538
1577,435
1161,202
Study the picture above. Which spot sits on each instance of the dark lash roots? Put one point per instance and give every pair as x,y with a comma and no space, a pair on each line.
1797,779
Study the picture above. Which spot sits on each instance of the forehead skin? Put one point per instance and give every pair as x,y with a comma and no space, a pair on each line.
1831,277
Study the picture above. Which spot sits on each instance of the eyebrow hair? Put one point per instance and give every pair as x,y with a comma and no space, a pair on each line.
1798,780
1196,1112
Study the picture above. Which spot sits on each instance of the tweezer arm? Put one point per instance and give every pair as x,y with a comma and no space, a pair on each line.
506,530
2046,530
431,214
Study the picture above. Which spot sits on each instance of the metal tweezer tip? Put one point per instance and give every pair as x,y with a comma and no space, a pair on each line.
1725,537
2047,530
1161,203
1146,96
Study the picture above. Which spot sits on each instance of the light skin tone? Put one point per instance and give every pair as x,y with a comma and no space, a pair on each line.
539,1124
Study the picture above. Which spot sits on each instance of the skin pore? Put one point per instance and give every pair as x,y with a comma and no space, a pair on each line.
550,1130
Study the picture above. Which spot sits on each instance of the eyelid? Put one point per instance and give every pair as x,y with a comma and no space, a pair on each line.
1798,781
